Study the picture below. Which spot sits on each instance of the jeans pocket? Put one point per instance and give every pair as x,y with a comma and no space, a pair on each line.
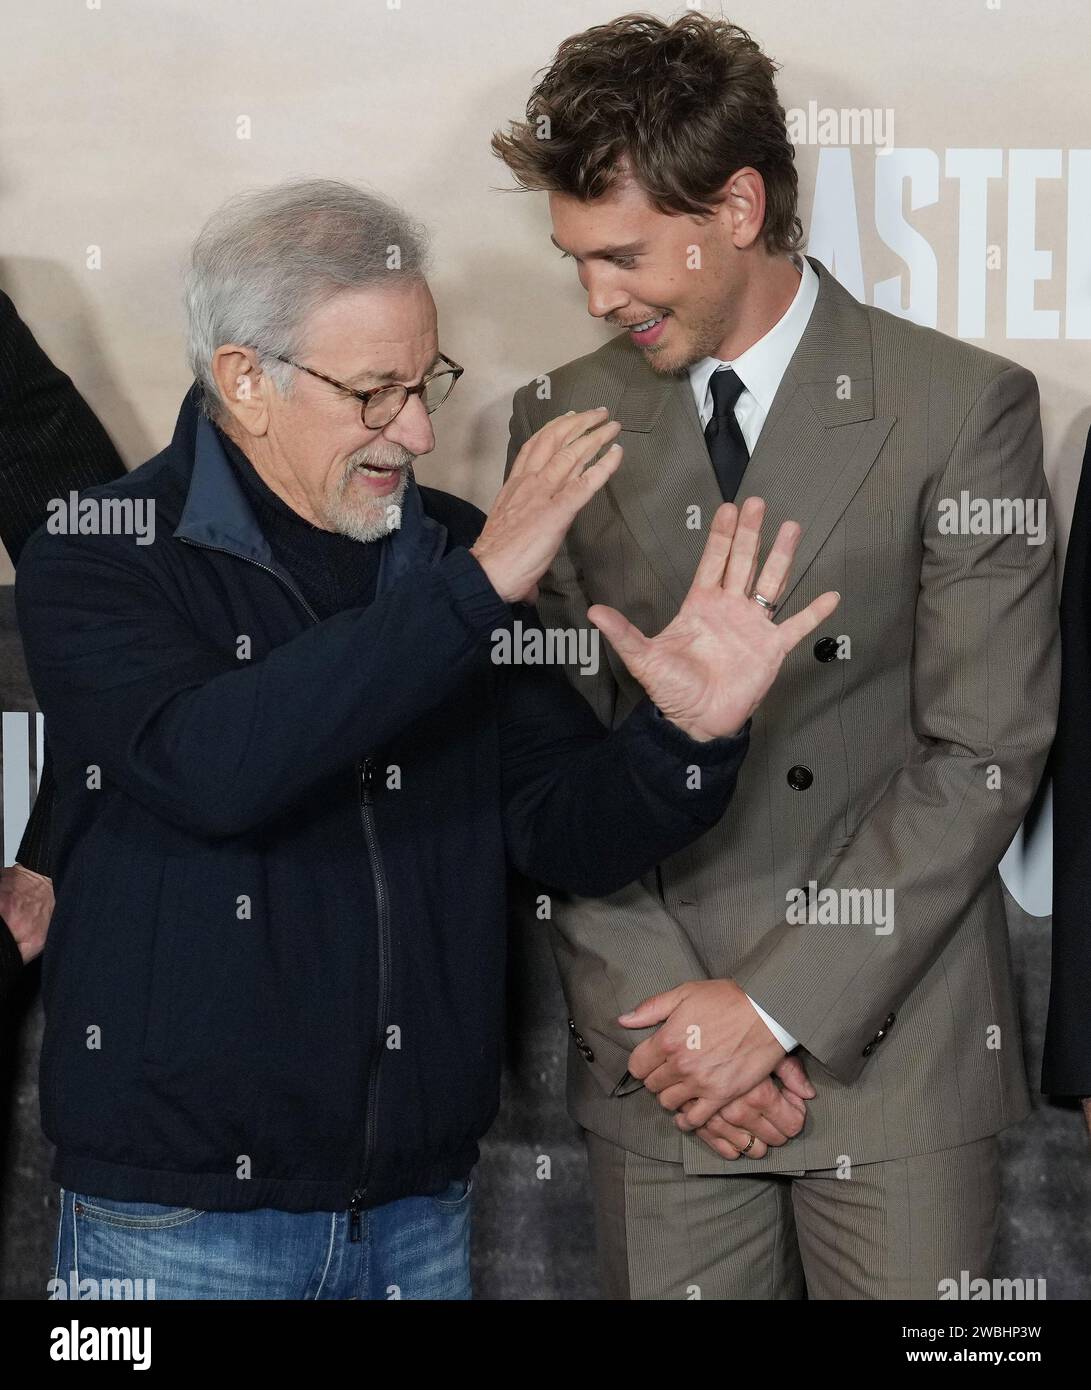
142,1216
456,1194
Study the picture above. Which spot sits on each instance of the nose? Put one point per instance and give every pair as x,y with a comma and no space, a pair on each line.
603,295
412,428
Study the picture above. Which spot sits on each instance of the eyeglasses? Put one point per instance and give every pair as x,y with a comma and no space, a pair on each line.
380,405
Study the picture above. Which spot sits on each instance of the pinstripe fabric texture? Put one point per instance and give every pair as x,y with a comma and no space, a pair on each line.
925,743
51,443
893,1229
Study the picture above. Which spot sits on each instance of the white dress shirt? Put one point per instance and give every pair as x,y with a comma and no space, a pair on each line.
760,369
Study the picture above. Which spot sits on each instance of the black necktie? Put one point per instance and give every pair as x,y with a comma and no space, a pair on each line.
726,445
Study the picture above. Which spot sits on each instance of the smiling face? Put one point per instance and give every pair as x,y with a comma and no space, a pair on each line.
679,283
312,446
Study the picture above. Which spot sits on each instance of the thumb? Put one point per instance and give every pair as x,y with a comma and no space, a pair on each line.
653,1010
628,641
794,1078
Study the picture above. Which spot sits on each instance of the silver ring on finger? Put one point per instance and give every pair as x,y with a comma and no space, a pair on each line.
749,1146
763,602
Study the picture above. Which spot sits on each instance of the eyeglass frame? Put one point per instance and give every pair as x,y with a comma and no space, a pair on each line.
364,397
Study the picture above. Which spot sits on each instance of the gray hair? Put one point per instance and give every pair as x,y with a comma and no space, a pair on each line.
268,257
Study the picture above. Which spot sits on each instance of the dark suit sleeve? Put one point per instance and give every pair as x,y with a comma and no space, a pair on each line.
50,443
35,848
589,811
1066,1061
50,440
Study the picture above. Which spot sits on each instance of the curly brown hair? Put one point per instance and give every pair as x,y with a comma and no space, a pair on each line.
680,105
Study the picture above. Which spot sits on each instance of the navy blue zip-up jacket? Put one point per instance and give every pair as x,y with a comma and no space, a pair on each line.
274,976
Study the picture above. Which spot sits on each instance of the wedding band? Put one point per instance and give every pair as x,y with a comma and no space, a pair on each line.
748,1147
769,607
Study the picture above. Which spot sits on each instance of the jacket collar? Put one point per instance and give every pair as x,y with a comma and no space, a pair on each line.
217,512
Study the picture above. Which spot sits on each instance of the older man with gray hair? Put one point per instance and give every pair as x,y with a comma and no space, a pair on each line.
291,777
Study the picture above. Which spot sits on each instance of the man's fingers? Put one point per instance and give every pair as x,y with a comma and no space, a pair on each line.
696,1114
744,546
795,628
710,572
736,1137
778,562
571,458
718,1146
541,446
656,1007
760,1126
585,482
793,1077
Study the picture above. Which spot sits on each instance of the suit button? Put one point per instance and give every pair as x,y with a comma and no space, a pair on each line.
879,1036
572,1026
585,1052
869,1049
825,649
800,778
890,1021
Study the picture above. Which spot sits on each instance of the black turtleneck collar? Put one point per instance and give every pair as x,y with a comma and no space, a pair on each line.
333,571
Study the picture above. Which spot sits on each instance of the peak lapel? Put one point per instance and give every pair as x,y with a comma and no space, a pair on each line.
822,434
665,473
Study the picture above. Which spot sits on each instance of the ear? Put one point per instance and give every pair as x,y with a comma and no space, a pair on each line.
743,206
244,387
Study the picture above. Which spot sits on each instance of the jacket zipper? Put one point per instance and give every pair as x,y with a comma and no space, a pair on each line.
382,900
366,770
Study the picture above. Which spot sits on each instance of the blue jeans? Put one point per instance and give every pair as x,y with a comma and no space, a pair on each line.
418,1247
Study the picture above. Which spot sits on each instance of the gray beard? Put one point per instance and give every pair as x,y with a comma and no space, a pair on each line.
368,518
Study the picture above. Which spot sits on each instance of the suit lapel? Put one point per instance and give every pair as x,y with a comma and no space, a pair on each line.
819,440
665,473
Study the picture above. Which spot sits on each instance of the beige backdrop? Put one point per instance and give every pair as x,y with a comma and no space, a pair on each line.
123,122
120,125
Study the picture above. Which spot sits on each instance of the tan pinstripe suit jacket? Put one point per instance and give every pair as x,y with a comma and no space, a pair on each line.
924,746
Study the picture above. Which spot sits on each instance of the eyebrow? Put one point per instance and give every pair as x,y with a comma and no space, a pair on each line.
633,248
358,380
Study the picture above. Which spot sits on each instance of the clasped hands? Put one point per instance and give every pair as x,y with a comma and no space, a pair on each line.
714,1062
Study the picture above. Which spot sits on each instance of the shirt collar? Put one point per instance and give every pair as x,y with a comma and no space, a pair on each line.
762,366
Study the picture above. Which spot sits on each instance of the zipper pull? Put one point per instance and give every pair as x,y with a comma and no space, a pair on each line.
354,1217
367,778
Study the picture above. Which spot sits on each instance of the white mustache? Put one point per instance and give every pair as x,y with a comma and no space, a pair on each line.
371,457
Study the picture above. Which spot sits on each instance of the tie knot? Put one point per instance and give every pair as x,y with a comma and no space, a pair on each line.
726,389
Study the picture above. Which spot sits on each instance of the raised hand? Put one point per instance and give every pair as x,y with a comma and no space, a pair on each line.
710,668
548,484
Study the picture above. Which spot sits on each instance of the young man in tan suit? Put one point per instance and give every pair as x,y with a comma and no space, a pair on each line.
847,913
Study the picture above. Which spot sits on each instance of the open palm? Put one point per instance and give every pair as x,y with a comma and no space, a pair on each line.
710,668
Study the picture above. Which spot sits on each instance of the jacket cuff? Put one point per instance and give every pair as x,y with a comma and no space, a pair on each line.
478,603
35,848
709,752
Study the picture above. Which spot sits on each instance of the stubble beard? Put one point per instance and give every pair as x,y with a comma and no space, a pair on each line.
702,338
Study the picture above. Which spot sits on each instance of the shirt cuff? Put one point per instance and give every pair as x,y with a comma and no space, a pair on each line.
781,1034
